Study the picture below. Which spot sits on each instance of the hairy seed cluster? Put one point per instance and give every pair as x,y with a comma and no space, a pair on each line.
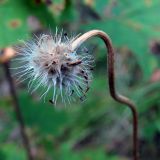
50,61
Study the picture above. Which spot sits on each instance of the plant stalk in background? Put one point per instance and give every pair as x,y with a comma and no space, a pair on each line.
111,79
18,113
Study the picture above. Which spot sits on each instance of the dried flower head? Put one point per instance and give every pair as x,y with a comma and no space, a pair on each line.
50,61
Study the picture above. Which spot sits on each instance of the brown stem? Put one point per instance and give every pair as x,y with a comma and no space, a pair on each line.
18,114
111,79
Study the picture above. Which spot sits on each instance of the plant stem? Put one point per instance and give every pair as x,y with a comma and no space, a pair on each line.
17,110
111,79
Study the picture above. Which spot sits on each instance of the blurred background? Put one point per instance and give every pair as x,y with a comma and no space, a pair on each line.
98,128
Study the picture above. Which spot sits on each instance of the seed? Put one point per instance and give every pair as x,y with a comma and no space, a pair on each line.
51,71
54,62
51,101
75,63
63,68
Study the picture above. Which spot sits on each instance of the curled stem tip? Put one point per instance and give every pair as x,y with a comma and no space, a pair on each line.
111,80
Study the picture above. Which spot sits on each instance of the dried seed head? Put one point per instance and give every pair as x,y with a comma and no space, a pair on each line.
50,61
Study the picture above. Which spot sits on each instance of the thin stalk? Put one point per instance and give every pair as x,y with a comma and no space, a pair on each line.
18,113
111,80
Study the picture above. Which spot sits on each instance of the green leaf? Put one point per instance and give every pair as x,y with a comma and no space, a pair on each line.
98,6
14,20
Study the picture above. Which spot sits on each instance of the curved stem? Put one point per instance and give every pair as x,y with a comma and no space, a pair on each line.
111,79
18,113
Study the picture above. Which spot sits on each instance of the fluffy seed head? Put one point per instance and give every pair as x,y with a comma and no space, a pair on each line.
50,61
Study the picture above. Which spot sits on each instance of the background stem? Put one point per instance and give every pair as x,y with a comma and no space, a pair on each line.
17,110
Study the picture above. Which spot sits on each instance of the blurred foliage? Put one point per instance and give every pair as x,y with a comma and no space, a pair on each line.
10,152
89,130
133,25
